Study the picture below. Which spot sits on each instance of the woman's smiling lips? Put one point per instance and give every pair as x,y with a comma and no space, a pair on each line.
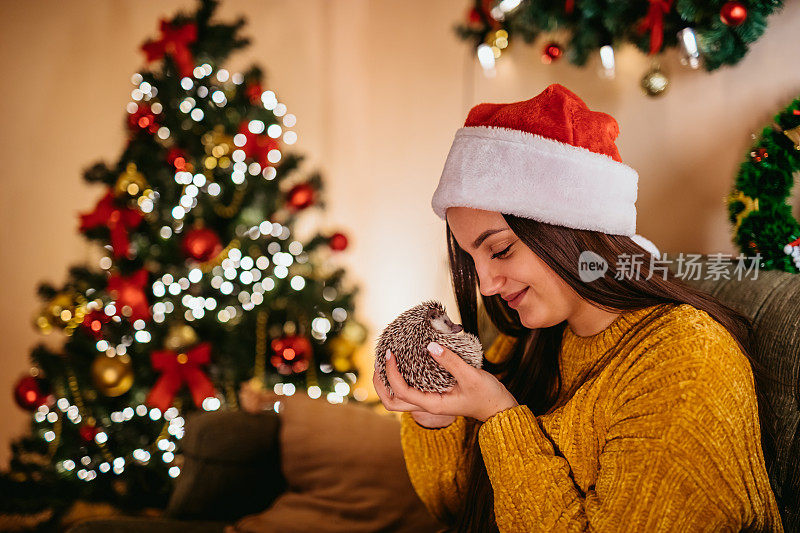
514,301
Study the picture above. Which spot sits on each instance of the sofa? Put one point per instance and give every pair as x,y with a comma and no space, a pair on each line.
319,467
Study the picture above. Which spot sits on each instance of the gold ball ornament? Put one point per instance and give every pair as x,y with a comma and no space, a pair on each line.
655,83
131,184
354,332
180,337
65,312
113,376
342,364
218,147
342,350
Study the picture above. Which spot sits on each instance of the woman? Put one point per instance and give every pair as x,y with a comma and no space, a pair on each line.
610,403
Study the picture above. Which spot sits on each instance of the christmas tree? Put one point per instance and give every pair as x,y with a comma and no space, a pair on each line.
202,287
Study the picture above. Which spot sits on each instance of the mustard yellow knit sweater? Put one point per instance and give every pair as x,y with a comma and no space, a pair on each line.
664,436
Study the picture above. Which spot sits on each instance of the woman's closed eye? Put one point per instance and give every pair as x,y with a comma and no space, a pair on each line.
502,253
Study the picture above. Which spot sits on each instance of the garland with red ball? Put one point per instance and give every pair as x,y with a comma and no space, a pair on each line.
721,31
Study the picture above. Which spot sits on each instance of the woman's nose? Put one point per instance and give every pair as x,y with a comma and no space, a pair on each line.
488,283
488,290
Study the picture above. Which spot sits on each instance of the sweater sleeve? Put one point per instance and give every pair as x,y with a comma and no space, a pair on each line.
434,463
681,452
435,457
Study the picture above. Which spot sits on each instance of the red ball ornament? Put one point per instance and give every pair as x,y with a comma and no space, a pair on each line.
201,244
177,158
300,196
337,242
552,52
30,392
87,432
290,354
143,119
733,13
93,323
257,146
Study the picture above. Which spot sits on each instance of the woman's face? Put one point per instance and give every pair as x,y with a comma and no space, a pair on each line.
548,300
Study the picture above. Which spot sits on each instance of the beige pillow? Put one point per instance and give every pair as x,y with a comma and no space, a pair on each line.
345,471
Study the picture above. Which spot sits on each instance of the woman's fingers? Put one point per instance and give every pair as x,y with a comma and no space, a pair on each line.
389,400
409,394
458,368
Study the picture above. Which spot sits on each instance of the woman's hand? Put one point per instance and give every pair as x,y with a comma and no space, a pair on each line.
476,394
392,403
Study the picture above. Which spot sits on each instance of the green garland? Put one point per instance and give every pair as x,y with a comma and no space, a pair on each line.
757,205
592,24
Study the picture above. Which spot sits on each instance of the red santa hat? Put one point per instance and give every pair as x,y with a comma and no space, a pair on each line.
550,158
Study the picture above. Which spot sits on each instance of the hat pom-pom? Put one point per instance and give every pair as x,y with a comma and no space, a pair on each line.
647,245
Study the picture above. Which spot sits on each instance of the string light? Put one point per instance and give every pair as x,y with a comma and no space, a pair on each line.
332,397
690,55
486,59
211,404
143,456
241,268
607,61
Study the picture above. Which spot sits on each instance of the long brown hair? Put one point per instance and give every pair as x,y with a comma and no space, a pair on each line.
531,372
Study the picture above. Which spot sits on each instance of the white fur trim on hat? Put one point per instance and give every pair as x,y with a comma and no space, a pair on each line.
523,174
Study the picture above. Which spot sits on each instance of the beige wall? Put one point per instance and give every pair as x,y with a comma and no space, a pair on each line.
379,89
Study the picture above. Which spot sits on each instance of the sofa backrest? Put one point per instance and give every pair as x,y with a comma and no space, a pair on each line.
771,299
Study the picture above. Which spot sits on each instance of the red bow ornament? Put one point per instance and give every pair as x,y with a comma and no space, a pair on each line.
130,291
118,220
175,41
253,92
177,369
654,21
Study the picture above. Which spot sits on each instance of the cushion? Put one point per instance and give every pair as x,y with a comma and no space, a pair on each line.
231,466
125,524
345,472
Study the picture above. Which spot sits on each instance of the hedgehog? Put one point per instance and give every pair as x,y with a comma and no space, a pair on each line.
407,337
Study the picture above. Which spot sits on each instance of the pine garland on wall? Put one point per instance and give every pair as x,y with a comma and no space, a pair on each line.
709,34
